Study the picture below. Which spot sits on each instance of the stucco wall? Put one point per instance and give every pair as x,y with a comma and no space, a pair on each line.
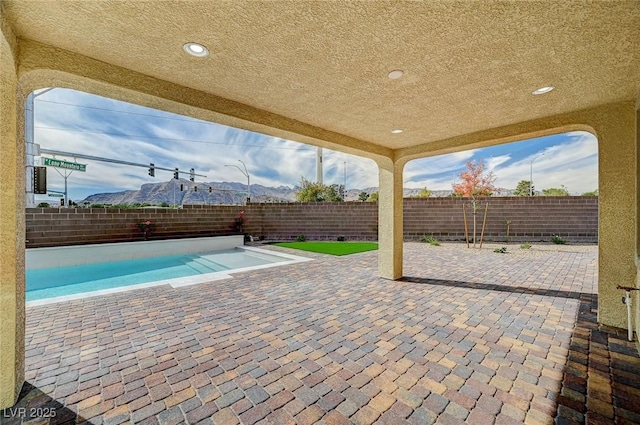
11,224
531,219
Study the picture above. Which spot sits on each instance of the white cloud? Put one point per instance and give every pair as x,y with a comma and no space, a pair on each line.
437,172
361,172
573,164
172,141
495,162
182,143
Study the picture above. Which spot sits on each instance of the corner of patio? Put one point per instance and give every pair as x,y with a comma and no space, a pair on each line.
469,336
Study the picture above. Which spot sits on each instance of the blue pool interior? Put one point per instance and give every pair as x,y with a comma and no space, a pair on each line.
70,280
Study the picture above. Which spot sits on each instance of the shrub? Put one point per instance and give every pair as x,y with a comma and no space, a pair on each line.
525,245
301,238
317,192
430,240
502,250
558,240
237,225
146,227
44,205
341,239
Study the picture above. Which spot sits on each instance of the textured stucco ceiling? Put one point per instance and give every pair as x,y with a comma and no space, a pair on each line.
469,66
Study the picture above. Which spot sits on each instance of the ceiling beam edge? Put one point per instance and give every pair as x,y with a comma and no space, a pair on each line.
579,120
42,65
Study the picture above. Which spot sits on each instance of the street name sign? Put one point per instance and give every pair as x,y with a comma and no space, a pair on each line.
58,163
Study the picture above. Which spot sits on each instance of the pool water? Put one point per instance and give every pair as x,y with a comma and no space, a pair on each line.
70,280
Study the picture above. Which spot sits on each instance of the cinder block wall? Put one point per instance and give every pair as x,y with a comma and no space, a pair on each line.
69,226
574,218
316,220
531,219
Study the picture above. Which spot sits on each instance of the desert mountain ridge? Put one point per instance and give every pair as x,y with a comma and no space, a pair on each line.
220,193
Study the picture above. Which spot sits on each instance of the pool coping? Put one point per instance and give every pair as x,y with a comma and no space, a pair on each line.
181,282
72,255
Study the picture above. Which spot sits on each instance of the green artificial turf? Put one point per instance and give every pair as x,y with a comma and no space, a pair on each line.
333,248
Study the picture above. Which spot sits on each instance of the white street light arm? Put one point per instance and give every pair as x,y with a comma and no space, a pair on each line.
246,174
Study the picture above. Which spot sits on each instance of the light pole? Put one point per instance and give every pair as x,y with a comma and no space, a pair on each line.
344,186
246,173
31,148
531,173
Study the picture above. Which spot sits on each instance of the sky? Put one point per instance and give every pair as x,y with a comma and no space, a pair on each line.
73,121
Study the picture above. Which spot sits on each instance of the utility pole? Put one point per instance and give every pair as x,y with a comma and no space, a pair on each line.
344,186
531,173
319,168
31,148
345,175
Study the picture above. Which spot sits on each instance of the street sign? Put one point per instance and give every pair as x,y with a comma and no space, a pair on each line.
55,195
58,163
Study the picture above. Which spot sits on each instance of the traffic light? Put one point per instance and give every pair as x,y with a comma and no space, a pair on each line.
181,187
152,170
39,180
210,189
176,174
192,174
195,188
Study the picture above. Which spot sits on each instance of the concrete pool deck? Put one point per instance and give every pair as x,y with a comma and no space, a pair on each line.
467,337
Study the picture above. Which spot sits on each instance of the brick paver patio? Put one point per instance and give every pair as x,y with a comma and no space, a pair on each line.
468,337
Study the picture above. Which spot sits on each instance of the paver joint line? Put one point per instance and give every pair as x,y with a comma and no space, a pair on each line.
470,336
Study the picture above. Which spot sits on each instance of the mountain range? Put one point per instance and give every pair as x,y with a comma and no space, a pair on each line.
186,192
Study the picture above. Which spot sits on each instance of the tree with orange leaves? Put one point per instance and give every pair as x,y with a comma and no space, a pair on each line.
476,182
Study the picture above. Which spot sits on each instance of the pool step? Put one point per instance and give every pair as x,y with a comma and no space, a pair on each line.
198,267
211,264
203,265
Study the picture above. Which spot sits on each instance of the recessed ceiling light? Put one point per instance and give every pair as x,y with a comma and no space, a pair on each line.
394,75
396,131
196,49
543,90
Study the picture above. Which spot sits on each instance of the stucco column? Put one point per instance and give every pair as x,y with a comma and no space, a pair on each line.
390,231
618,203
11,228
636,299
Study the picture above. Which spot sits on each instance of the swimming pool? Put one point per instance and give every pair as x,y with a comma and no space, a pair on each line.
104,272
